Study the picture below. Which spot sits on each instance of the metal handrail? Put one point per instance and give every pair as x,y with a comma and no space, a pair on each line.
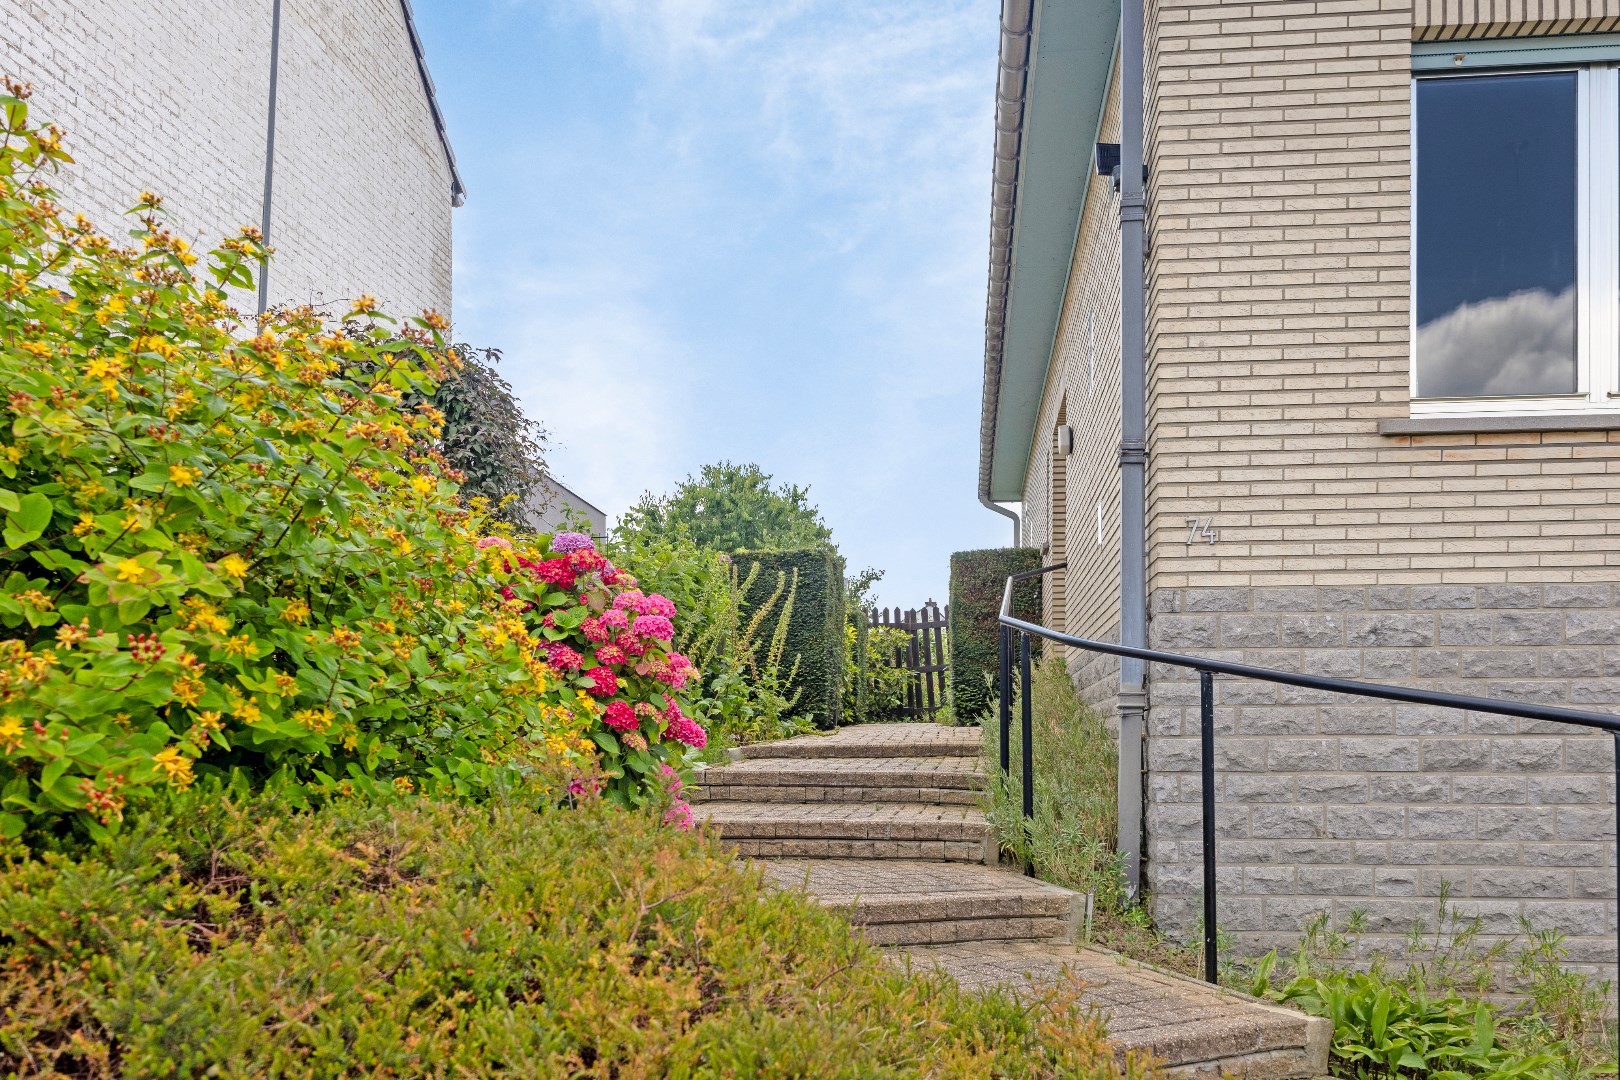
1207,669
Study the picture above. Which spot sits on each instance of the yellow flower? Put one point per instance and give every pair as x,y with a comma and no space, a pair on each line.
175,766
10,733
296,611
317,720
423,485
187,690
130,570
86,525
240,645
182,475
404,785
210,720
234,565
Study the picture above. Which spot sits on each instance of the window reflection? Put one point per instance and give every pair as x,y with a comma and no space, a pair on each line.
1496,235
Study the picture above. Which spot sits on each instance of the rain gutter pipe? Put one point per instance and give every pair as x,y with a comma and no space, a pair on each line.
1133,439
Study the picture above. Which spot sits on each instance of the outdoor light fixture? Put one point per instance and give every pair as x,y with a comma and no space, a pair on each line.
1107,158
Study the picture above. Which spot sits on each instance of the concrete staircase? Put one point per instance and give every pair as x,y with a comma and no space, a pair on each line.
884,822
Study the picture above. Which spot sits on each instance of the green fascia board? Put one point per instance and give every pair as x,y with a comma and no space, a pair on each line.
1072,57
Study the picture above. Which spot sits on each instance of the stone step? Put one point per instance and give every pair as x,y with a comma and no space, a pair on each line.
919,903
1197,1030
954,780
873,741
852,831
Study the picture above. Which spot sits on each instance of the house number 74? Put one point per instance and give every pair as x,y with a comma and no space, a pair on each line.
1199,528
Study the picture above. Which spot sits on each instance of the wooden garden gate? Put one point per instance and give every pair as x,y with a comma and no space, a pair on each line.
923,656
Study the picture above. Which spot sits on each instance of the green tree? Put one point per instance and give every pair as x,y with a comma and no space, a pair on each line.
730,508
486,437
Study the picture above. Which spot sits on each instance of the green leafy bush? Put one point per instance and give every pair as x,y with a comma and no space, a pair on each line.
814,639
228,546
977,581
730,508
436,940
876,677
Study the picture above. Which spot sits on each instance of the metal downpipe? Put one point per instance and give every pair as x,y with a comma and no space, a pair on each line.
1133,438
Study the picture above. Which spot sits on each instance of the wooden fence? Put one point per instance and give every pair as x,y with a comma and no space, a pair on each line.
923,656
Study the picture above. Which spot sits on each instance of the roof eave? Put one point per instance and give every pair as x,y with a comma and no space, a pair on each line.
458,192
1056,58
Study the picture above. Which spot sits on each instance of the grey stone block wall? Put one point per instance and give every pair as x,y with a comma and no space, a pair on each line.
1333,803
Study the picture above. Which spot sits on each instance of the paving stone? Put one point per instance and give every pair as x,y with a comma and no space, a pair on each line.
880,822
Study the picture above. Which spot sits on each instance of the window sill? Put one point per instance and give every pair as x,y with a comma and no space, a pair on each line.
1482,425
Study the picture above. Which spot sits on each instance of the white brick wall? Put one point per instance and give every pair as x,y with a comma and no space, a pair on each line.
171,95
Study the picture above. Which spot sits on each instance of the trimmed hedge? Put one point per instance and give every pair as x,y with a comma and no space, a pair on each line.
977,580
816,630
430,940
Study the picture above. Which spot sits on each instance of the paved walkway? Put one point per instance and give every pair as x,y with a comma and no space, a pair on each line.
884,822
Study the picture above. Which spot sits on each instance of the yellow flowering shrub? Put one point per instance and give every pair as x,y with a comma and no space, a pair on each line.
226,548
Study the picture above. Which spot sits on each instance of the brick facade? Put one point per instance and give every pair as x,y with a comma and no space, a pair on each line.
171,96
1278,309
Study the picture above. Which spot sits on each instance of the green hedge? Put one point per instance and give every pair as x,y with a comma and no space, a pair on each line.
429,940
977,581
816,631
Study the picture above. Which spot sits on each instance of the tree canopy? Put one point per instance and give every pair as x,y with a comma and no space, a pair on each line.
729,507
486,436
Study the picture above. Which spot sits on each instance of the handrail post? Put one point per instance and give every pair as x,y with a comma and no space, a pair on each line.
1004,707
1026,736
1206,756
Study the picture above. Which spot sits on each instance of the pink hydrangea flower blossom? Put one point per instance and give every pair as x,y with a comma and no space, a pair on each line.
494,542
563,658
629,599
653,626
594,630
610,654
658,604
679,815
603,682
685,730
621,717
615,619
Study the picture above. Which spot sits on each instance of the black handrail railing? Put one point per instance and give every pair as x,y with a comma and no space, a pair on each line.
1207,669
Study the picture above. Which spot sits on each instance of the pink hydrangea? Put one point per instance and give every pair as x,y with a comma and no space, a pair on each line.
621,717
653,626
594,630
679,815
657,604
494,542
686,730
555,572
632,645
585,562
615,619
670,777
634,740
610,654
646,708
629,599
565,542
563,658
585,785
603,682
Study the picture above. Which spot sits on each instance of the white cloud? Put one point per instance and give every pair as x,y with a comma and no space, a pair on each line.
1521,345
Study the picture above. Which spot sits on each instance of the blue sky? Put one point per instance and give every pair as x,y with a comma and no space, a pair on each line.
709,229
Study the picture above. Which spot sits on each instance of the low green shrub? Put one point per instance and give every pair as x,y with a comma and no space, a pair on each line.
1071,839
814,642
978,579
876,676
438,940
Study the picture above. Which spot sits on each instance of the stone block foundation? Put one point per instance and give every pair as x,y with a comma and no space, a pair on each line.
1329,803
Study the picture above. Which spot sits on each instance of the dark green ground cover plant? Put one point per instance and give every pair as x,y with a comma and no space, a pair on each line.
429,939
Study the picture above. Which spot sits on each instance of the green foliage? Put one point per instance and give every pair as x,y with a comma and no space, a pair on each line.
1071,840
1426,1013
228,547
499,452
876,677
435,940
731,508
977,581
812,641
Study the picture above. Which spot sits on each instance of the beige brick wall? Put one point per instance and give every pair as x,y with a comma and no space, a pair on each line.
171,95
1083,382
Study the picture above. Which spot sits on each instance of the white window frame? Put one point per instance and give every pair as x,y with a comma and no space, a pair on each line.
1597,275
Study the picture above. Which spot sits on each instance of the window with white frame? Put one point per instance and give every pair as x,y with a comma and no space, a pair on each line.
1516,241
